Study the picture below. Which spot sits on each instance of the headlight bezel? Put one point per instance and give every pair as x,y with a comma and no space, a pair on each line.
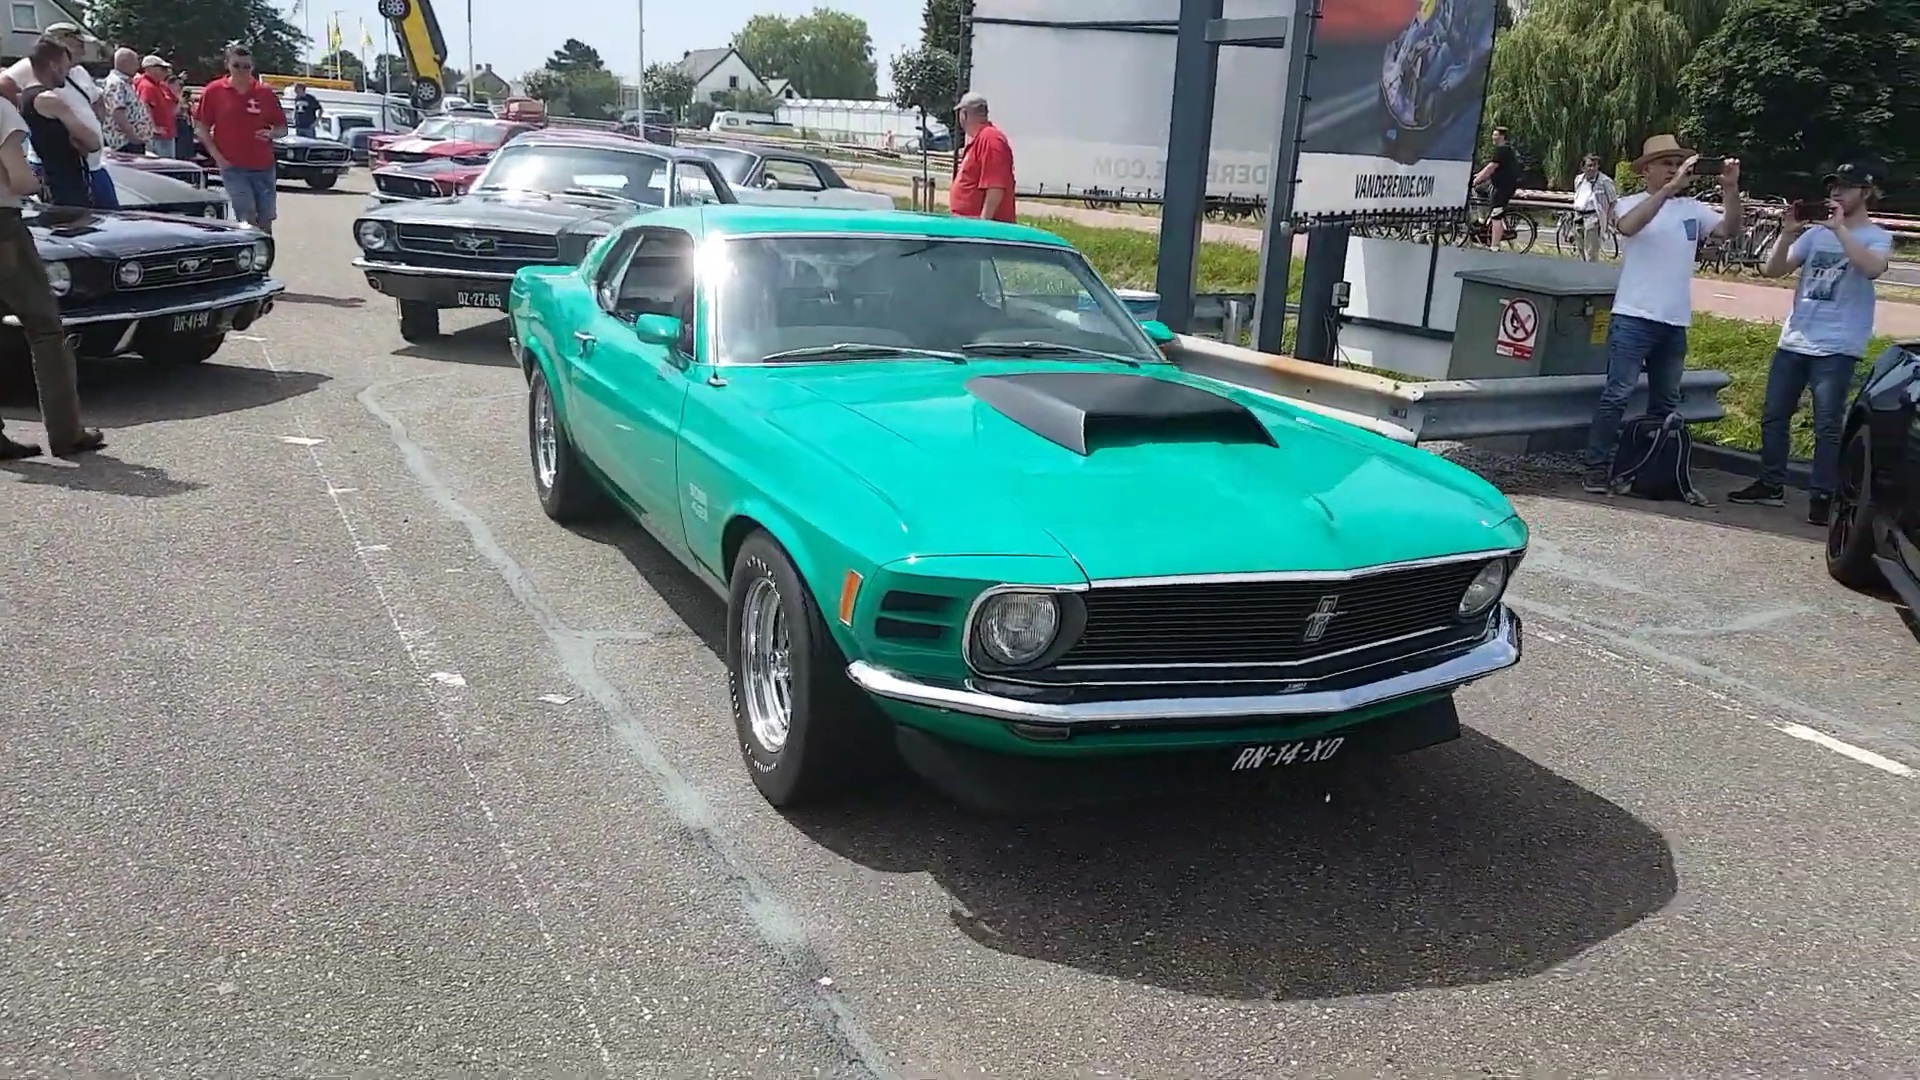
1501,569
372,226
1070,620
60,278
262,256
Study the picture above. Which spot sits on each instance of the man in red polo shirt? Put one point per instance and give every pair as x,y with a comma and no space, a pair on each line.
238,118
983,188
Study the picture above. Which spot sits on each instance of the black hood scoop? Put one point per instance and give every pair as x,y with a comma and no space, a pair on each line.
1083,409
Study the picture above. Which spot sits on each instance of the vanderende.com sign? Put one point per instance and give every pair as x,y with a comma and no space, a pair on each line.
1396,90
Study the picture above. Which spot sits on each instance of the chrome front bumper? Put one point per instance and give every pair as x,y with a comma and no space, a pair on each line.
1500,650
378,267
130,308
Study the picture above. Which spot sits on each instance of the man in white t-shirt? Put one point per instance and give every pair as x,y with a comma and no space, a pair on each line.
82,91
1660,232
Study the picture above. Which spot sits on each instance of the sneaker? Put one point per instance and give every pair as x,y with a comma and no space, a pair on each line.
1759,493
1598,481
1820,510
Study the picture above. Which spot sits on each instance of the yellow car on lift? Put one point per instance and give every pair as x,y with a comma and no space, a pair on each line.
417,30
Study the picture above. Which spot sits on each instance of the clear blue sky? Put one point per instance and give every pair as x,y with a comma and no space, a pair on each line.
505,36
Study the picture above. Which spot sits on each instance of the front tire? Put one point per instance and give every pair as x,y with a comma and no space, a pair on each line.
567,492
1850,545
322,181
419,322
804,730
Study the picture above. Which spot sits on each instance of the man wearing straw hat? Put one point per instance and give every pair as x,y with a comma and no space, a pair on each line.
1660,232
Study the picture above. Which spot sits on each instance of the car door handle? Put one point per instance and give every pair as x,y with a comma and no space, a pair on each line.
585,341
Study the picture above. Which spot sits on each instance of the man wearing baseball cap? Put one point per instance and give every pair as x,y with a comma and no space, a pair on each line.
162,103
1838,251
89,103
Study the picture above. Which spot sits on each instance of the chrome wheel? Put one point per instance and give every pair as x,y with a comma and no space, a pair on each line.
1846,504
766,672
546,438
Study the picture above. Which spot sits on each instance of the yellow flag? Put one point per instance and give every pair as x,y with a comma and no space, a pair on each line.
366,39
333,34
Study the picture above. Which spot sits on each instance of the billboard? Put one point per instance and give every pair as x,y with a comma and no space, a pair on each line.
1395,93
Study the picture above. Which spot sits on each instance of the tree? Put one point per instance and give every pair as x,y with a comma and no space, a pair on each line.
943,25
389,71
575,55
193,34
667,87
746,100
588,93
926,79
828,54
1794,87
347,64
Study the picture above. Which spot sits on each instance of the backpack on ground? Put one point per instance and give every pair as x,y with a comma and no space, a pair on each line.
1655,460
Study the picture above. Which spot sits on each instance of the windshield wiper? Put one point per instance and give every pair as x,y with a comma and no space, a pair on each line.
860,350
597,193
515,190
1043,348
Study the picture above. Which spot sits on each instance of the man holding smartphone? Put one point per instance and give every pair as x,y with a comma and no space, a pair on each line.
1838,251
1660,232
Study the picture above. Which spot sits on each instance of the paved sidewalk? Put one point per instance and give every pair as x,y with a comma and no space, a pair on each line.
1728,299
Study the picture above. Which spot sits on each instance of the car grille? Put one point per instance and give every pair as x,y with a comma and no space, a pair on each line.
405,157
411,187
1264,626
193,267
512,247
327,155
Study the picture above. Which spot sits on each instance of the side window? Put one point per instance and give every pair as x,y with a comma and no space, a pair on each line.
606,277
1041,282
692,186
658,277
791,175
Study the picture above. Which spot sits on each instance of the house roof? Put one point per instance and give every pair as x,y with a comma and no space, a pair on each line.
776,87
699,63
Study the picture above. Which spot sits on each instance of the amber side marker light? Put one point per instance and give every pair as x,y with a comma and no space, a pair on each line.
849,592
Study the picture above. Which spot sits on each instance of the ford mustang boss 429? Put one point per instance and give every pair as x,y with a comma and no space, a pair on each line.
166,287
544,198
963,510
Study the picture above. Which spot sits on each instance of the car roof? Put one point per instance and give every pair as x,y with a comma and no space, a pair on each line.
715,219
702,148
590,137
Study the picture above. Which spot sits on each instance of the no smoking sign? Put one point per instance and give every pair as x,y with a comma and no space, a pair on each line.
1519,329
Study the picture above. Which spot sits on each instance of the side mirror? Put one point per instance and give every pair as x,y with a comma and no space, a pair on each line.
1157,332
658,330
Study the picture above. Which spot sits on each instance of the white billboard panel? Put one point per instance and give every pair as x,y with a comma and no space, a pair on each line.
1395,97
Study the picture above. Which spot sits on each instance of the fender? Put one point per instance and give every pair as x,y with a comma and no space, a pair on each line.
819,567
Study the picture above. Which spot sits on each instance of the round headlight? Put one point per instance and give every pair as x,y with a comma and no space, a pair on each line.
131,272
60,278
372,235
1486,588
244,258
1016,628
262,254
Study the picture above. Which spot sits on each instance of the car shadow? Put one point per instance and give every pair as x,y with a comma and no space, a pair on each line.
101,473
126,392
1461,865
323,301
484,345
685,595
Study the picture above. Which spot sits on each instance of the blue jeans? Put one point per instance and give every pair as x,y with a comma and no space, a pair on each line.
1830,377
251,191
305,131
1635,344
104,197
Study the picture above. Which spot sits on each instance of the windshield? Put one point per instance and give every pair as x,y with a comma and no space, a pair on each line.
978,298
436,128
559,169
734,164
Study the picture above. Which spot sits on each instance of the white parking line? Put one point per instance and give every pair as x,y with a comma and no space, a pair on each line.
1845,749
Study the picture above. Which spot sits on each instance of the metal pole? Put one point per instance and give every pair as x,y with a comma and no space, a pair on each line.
640,82
1196,70
1313,337
467,83
1276,236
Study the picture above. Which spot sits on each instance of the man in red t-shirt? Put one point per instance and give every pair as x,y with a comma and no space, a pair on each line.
161,101
238,119
983,186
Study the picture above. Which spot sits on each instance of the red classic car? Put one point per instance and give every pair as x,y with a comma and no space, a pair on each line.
453,138
433,179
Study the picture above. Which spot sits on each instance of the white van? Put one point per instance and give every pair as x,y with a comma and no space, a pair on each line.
745,123
344,110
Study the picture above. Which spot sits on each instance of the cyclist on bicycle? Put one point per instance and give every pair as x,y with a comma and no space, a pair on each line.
1502,175
1594,194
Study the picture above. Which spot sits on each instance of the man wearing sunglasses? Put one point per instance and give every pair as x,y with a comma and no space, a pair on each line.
238,118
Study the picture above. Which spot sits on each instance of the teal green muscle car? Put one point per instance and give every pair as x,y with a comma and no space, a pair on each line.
966,515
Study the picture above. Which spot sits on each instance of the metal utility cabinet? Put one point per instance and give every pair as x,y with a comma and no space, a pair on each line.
1546,317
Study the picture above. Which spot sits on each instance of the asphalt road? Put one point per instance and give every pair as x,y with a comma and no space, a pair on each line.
326,753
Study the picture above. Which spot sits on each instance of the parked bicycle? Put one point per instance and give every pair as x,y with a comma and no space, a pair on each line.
1568,229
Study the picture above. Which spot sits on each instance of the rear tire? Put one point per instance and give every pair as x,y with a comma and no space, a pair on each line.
1850,546
805,731
419,321
568,493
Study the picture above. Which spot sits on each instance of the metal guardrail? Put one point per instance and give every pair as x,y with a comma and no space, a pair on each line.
1447,409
